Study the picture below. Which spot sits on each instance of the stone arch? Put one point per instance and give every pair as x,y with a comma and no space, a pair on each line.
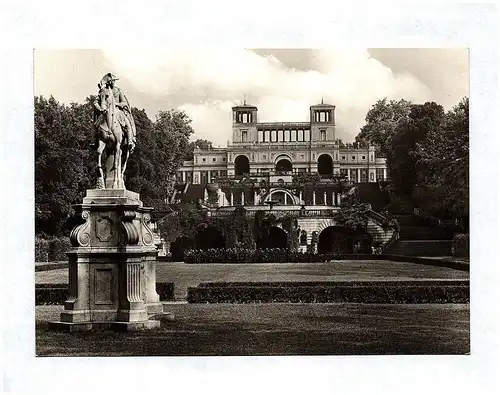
209,237
325,164
241,165
282,156
179,246
336,239
277,237
343,240
325,223
291,198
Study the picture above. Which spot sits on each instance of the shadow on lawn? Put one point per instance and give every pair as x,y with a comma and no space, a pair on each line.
183,337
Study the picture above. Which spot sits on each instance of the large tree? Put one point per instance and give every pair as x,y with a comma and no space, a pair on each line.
65,165
403,157
444,163
161,148
63,161
381,121
198,143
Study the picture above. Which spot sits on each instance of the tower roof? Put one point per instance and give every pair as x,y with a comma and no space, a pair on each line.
322,105
244,107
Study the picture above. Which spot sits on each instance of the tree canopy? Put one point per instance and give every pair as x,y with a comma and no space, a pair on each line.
427,151
443,158
381,121
198,143
65,165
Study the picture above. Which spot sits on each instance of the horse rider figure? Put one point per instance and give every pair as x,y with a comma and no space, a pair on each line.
123,110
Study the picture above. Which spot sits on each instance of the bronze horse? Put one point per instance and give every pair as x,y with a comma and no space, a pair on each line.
111,139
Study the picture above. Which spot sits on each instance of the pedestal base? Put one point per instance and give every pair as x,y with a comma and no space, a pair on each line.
154,308
102,326
112,266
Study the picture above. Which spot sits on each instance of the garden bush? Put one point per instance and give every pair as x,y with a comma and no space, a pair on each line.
244,255
460,247
51,294
51,249
41,249
57,294
370,292
58,248
400,205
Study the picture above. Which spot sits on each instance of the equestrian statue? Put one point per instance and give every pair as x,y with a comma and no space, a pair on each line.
114,133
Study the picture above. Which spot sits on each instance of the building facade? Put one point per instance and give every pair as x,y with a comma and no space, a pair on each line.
275,151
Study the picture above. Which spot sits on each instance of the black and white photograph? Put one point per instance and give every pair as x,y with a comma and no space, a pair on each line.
257,197
252,202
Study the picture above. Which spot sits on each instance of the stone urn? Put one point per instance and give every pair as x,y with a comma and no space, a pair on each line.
213,187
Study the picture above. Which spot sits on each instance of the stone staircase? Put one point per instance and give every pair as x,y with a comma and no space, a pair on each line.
372,193
420,240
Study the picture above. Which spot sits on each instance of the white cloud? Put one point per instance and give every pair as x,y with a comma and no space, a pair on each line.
206,83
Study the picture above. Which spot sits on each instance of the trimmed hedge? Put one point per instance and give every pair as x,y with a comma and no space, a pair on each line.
165,291
241,255
51,266
51,295
51,249
351,284
460,247
370,292
57,294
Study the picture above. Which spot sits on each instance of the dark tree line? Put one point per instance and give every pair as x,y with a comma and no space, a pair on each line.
65,164
427,151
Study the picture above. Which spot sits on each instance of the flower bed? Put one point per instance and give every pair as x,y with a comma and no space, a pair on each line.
343,292
240,255
57,294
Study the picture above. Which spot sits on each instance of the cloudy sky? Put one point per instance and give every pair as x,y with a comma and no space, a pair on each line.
282,83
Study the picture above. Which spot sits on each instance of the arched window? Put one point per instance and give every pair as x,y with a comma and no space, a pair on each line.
241,165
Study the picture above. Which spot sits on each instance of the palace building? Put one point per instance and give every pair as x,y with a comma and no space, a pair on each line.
276,151
288,170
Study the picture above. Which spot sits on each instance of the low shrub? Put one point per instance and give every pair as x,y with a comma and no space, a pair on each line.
165,291
51,266
51,249
242,255
47,295
41,249
58,248
400,205
57,294
460,247
405,292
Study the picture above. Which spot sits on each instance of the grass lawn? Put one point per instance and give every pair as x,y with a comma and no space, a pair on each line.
274,329
190,275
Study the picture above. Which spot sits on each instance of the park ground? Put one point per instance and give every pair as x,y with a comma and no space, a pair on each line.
190,275
276,329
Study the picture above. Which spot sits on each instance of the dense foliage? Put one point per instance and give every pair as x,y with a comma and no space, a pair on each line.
325,292
198,143
194,229
381,122
247,255
65,164
460,246
57,294
427,151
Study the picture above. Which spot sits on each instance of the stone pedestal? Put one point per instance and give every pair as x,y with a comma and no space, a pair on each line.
112,265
